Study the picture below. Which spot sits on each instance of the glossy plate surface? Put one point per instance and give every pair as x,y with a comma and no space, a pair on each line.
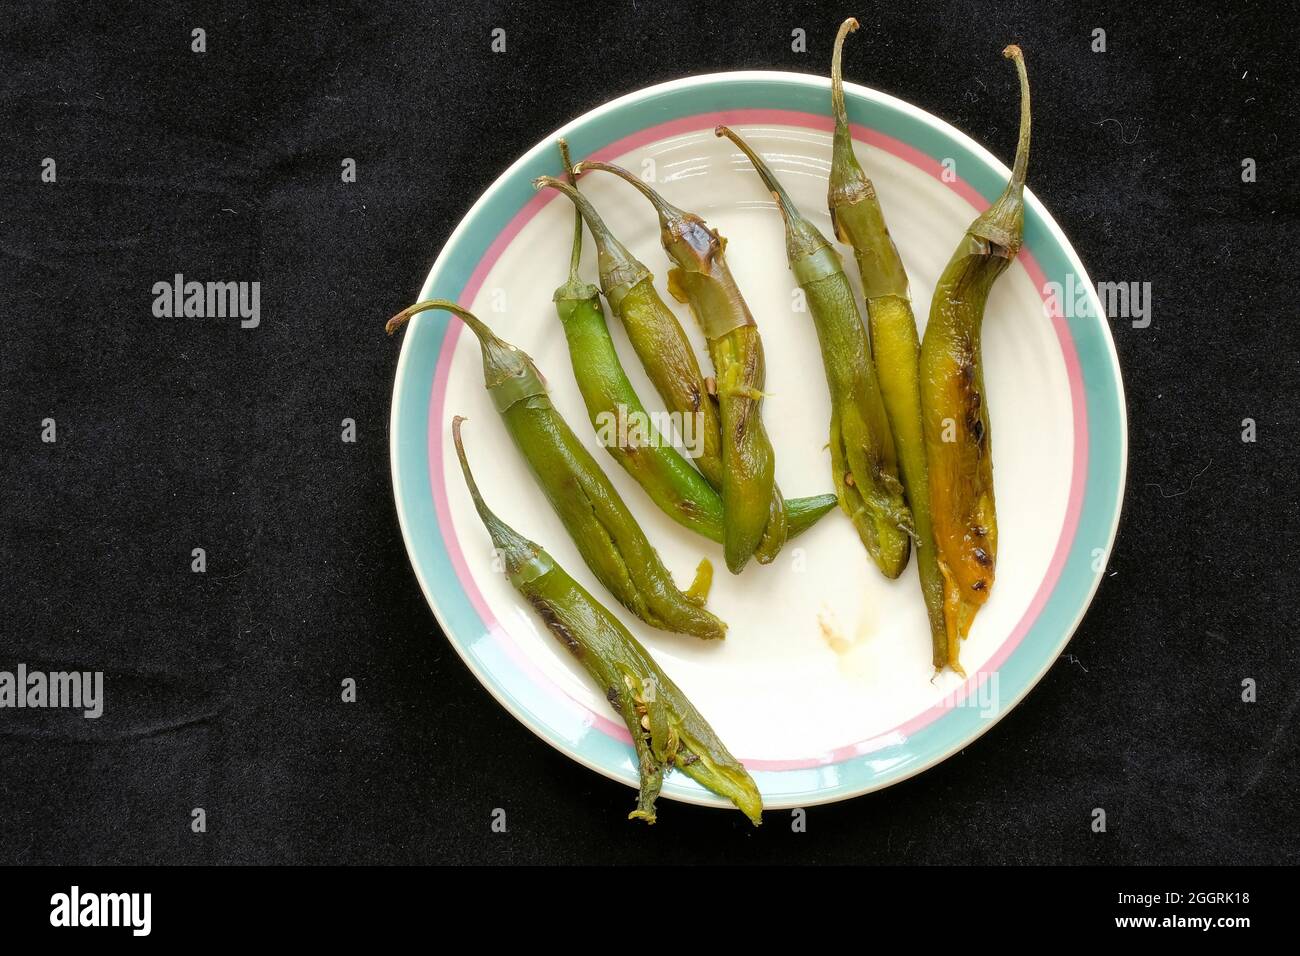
824,686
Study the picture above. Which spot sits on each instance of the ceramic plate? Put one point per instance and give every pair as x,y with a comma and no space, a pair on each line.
824,686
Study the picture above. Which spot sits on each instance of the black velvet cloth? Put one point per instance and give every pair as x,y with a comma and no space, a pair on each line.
173,434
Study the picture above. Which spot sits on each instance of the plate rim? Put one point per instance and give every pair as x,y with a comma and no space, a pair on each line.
827,795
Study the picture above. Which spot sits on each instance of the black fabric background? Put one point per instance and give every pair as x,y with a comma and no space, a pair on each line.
224,687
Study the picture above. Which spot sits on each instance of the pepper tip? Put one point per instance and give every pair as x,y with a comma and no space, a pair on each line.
396,322
1013,52
456,422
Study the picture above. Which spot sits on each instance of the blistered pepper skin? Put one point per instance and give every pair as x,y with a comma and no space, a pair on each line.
955,414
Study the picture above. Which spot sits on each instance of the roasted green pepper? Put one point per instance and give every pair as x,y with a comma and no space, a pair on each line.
613,405
753,508
666,729
656,336
669,480
954,408
607,536
895,345
863,460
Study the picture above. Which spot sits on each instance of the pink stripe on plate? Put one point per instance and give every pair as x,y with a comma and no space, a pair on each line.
927,164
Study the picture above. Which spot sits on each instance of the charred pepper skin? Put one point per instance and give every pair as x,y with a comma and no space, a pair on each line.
864,463
606,533
669,480
753,509
667,731
895,346
954,407
656,336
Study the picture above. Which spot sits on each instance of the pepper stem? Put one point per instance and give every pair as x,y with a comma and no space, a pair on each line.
802,238
837,75
575,258
505,538
666,210
484,512
783,200
585,208
469,318
1013,52
1002,224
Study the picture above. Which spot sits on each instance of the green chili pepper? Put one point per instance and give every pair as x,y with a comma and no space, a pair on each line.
955,413
666,729
608,537
677,488
656,336
666,476
863,460
895,346
753,508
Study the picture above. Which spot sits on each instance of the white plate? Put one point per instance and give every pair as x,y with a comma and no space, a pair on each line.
824,686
